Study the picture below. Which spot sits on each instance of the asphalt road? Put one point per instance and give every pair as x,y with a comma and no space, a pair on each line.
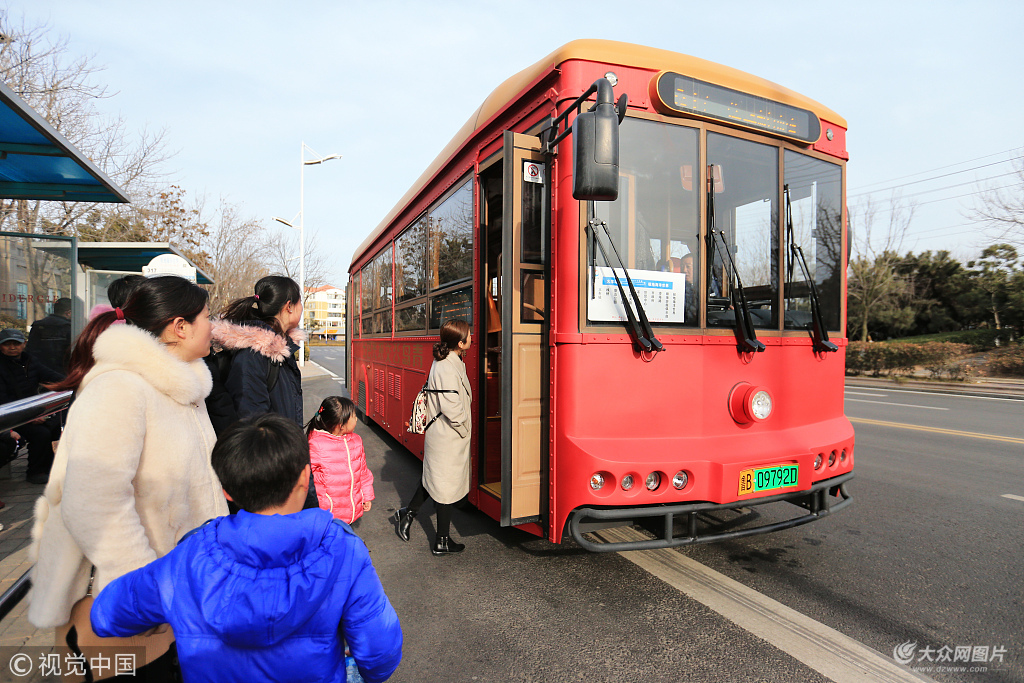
929,553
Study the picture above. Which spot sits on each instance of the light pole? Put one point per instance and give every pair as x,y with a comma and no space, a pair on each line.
302,233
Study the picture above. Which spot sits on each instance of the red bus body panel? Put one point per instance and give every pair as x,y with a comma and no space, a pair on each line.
610,411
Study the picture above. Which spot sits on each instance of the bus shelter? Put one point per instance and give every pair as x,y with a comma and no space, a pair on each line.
37,163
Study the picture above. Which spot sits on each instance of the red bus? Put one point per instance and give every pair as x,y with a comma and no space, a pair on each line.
657,290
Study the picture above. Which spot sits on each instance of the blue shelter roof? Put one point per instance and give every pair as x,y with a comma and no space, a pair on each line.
37,162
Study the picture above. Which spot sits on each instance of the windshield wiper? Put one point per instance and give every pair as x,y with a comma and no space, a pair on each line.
745,335
643,333
747,340
818,332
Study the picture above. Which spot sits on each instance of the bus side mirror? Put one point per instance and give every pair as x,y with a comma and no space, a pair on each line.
595,159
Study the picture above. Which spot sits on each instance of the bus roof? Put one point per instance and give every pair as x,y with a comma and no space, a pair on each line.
605,52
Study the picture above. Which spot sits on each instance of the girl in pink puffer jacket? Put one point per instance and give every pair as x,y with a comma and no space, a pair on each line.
344,484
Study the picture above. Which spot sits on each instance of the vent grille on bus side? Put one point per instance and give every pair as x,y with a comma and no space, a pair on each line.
361,396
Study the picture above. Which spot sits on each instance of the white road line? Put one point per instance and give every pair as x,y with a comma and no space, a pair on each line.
935,393
887,403
330,358
860,393
823,649
1013,497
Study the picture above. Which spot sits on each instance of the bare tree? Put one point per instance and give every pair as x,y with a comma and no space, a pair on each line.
875,289
236,255
283,251
1002,209
62,88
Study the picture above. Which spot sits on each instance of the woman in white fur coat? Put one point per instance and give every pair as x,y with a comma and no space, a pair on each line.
132,473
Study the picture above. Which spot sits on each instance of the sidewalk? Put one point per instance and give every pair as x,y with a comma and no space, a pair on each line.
985,387
16,517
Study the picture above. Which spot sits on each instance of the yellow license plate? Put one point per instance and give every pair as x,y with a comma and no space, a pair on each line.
768,478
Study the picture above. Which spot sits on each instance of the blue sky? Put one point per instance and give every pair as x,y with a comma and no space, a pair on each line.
928,89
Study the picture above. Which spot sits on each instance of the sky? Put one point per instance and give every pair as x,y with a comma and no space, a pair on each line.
930,90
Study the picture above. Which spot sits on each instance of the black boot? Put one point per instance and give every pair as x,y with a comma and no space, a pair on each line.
403,521
444,545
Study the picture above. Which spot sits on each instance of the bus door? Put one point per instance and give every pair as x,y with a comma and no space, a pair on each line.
524,322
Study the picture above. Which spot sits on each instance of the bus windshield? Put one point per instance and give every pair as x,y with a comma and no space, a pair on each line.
656,226
654,222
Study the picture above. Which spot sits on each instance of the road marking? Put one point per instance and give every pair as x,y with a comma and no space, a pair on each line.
823,649
1013,497
859,393
903,405
937,430
936,393
330,357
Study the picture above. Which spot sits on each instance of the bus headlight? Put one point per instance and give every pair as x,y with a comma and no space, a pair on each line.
680,480
596,481
748,403
627,482
761,405
653,481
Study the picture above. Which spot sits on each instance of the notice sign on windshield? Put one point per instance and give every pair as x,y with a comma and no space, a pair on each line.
661,294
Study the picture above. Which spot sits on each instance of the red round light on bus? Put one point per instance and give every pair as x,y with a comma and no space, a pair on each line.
748,403
596,481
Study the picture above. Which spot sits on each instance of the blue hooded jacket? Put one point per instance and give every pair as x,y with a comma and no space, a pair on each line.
262,598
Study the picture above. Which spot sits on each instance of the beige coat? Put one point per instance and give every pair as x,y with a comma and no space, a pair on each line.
131,475
446,459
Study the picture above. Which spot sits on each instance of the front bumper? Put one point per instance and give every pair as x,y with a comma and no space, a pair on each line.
817,501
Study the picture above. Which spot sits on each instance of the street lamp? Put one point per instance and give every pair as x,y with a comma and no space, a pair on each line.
302,233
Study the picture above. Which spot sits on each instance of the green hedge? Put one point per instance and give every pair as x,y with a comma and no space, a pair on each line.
941,359
1008,361
979,340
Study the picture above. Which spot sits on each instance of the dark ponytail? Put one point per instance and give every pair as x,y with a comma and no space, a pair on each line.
334,411
151,306
453,332
120,289
272,293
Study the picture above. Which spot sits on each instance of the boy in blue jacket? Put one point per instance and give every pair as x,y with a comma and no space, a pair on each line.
265,594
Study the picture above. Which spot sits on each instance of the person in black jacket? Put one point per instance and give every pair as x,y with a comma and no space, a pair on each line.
261,334
20,377
50,338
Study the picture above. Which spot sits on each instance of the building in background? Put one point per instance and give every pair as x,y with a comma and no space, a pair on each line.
325,312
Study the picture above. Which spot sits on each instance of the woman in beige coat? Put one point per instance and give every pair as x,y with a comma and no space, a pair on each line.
446,461
132,473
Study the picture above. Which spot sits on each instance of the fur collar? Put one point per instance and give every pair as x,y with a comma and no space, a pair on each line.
257,336
126,347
